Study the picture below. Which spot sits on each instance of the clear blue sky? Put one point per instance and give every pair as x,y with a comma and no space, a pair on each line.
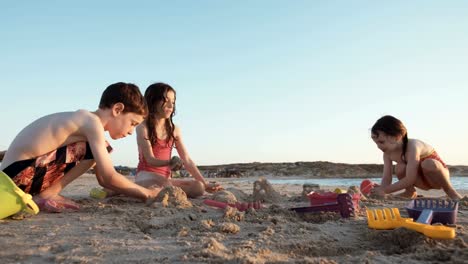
266,81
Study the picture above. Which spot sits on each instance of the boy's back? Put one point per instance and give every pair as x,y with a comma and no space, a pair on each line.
49,133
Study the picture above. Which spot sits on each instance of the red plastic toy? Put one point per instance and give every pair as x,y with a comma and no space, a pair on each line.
343,204
367,186
323,198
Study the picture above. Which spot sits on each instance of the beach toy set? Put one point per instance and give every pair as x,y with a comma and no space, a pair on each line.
386,218
430,210
341,203
240,206
13,199
323,198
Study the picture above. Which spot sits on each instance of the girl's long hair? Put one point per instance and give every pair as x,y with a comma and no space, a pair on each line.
393,127
155,96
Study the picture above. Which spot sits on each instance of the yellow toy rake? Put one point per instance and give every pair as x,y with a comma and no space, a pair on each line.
387,218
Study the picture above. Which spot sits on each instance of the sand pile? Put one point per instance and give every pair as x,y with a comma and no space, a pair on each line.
224,196
264,192
172,196
463,204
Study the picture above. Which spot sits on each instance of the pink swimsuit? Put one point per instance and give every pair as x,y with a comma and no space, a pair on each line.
162,150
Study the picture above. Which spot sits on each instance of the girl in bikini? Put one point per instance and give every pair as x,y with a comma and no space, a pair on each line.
417,163
156,137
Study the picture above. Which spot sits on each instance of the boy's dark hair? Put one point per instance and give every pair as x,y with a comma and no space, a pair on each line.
154,95
126,93
392,126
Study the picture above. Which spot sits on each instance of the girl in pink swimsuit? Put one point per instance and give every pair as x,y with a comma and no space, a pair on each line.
417,163
156,137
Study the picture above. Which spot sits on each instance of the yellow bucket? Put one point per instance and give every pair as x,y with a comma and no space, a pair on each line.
13,199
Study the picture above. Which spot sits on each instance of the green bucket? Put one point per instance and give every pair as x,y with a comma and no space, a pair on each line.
13,199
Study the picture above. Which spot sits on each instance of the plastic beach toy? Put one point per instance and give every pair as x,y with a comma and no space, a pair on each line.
13,199
390,219
432,210
339,190
321,198
367,186
240,206
343,204
98,193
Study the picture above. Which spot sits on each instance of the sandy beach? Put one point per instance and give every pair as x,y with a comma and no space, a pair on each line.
123,230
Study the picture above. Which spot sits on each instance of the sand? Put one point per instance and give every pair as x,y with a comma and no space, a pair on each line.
124,230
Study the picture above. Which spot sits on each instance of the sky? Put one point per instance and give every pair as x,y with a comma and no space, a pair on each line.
256,81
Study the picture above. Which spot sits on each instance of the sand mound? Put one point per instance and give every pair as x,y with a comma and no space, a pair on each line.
172,196
463,204
224,196
264,192
239,194
232,214
229,228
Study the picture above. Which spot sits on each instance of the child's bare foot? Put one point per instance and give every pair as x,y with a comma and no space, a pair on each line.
55,204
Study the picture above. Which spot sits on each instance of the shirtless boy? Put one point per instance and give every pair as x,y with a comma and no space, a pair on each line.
54,150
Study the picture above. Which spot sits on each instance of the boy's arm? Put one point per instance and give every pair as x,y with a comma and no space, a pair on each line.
146,149
412,165
105,172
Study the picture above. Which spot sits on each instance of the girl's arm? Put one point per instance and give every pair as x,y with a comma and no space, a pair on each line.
144,146
387,171
412,158
189,165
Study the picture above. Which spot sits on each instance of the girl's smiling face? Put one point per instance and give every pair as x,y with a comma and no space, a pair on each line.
167,106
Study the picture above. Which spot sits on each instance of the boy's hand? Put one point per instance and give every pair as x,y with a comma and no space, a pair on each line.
176,163
153,192
212,187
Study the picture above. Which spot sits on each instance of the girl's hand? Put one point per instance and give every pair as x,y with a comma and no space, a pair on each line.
212,187
176,163
378,191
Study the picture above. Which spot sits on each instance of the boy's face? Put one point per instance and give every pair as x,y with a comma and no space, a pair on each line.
123,124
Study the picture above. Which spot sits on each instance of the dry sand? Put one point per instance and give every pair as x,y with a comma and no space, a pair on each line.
123,230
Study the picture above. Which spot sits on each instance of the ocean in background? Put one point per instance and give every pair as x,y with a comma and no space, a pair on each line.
459,183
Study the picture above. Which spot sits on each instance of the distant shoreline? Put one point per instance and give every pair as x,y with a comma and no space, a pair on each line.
315,169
